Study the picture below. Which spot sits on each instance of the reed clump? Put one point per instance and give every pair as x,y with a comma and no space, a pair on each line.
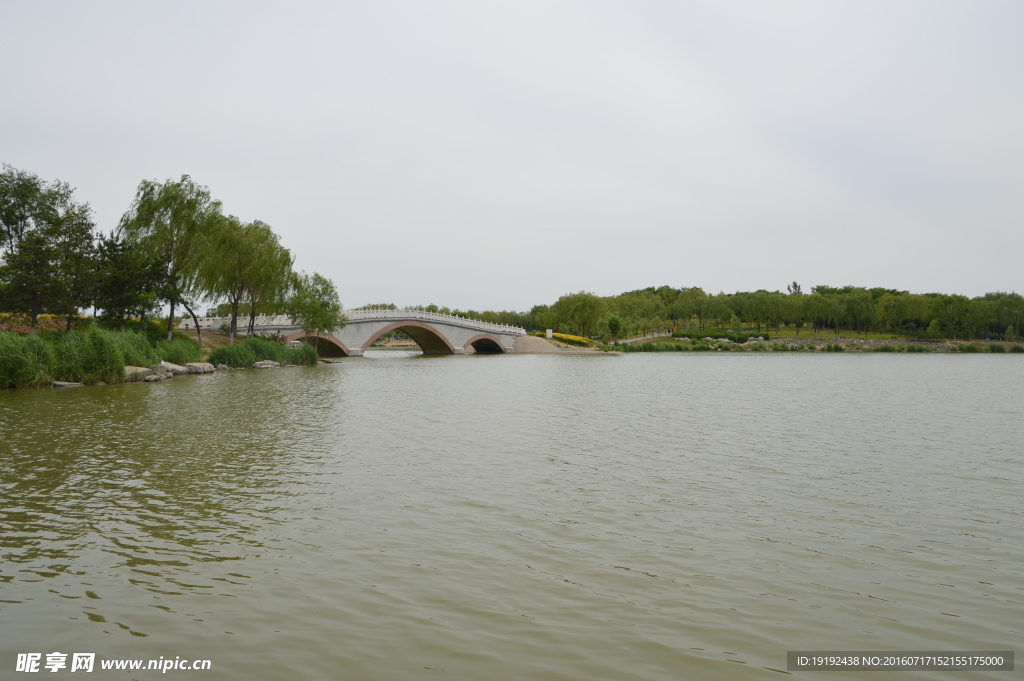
25,361
98,355
178,350
255,349
93,357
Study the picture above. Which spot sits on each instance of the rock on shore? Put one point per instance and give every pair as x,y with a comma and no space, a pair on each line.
200,368
266,364
132,374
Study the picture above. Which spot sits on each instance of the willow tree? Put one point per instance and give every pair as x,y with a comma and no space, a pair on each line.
246,264
172,223
226,271
314,305
271,285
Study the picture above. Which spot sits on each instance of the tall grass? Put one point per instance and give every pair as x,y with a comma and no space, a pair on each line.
135,349
98,355
25,361
233,356
268,349
92,357
178,350
255,349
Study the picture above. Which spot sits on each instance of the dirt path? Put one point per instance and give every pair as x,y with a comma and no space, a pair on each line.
534,345
644,338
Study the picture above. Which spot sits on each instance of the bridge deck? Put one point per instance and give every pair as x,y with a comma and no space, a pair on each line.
434,332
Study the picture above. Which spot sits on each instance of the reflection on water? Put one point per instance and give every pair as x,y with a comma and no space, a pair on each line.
543,517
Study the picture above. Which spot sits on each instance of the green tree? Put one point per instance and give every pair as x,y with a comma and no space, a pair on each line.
30,274
314,305
831,310
48,212
795,308
756,308
953,314
614,323
226,272
859,309
127,282
69,227
893,311
701,306
719,310
22,195
637,308
271,283
579,312
172,222
774,309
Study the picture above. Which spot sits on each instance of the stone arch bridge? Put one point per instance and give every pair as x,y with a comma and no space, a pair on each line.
435,333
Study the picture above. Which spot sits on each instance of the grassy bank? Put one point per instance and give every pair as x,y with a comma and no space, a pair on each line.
99,355
96,356
721,345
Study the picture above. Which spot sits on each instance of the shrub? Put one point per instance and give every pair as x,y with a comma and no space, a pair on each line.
885,348
734,337
574,340
233,356
22,323
996,348
970,347
918,348
178,350
834,347
1017,348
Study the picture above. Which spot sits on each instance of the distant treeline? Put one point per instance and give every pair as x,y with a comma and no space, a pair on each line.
824,310
174,246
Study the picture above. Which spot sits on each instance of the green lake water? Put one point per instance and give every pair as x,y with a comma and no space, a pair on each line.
668,516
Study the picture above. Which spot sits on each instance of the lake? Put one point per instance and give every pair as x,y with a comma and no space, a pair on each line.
647,516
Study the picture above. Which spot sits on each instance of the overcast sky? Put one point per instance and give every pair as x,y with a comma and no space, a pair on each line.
495,155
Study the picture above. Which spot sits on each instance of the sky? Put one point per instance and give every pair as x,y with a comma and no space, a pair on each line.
497,155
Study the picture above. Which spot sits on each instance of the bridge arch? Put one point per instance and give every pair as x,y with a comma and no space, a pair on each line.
326,345
485,343
430,340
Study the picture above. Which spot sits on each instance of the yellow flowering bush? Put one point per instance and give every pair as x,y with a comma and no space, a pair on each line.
574,340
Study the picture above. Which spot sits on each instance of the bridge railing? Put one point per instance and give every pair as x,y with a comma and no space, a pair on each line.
264,323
